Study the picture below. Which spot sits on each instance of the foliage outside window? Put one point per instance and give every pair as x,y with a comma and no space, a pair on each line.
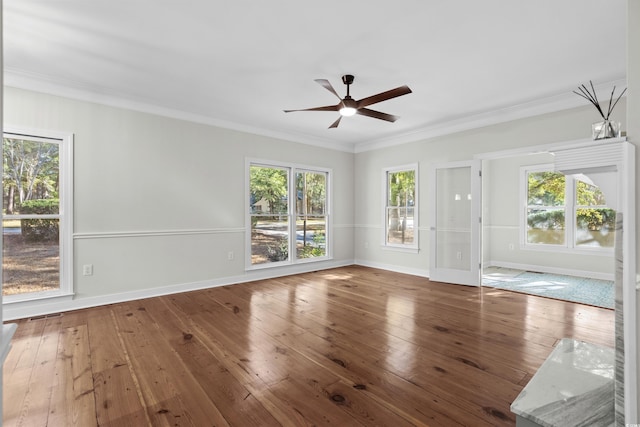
546,208
565,211
595,222
278,226
311,209
31,215
401,207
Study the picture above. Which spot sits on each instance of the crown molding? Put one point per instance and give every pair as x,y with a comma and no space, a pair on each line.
551,104
73,90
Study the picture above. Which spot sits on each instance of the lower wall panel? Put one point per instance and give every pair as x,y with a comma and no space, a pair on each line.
129,266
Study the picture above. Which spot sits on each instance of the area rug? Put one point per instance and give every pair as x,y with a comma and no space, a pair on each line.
600,293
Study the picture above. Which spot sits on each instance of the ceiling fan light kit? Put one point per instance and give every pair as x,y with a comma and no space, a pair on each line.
348,111
348,106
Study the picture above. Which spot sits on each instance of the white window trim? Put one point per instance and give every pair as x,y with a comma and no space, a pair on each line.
66,211
569,245
415,246
292,168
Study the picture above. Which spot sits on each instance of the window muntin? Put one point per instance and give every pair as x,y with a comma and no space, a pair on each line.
565,211
400,212
281,225
36,210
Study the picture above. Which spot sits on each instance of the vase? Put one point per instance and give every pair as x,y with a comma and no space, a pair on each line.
605,129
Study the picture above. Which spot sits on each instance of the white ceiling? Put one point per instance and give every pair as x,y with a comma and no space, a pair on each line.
238,64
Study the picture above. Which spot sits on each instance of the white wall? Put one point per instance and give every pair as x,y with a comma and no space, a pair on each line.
159,202
568,125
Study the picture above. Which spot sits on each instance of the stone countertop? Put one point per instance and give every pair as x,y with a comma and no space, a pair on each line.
574,386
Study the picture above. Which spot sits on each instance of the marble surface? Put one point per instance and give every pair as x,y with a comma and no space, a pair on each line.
574,386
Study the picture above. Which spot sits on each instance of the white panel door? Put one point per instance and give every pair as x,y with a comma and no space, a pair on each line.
454,255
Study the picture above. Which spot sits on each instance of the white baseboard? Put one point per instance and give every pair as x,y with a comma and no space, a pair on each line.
394,268
26,309
43,307
550,270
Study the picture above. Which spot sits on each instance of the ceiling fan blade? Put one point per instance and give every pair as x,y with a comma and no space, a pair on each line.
377,114
383,96
336,123
327,108
325,84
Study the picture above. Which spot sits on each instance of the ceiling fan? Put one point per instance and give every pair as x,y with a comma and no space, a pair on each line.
348,106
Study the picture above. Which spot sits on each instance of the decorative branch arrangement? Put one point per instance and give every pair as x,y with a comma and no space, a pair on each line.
593,98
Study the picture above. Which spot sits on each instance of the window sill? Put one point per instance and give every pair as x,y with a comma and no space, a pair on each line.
281,264
48,296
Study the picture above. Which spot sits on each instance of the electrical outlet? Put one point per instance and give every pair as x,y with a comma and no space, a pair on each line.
511,247
230,255
459,255
87,270
366,245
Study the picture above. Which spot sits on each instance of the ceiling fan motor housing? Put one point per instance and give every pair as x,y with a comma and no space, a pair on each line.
347,79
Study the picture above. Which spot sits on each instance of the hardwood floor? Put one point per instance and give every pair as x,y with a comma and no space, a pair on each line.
345,347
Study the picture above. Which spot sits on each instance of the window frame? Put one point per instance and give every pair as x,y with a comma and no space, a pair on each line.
570,213
414,247
292,214
65,210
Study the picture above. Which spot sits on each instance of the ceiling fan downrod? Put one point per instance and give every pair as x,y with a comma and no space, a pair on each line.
347,79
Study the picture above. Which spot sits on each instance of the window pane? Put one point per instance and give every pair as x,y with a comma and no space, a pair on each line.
400,197
595,227
546,210
31,256
311,232
31,176
268,190
311,188
545,189
31,186
269,239
400,225
401,188
589,195
545,226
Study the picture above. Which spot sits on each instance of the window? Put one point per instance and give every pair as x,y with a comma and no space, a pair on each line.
401,206
280,227
567,211
36,223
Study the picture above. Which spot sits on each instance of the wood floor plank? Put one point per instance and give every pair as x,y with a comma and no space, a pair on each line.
72,398
235,402
116,392
117,402
170,392
27,396
363,373
347,346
